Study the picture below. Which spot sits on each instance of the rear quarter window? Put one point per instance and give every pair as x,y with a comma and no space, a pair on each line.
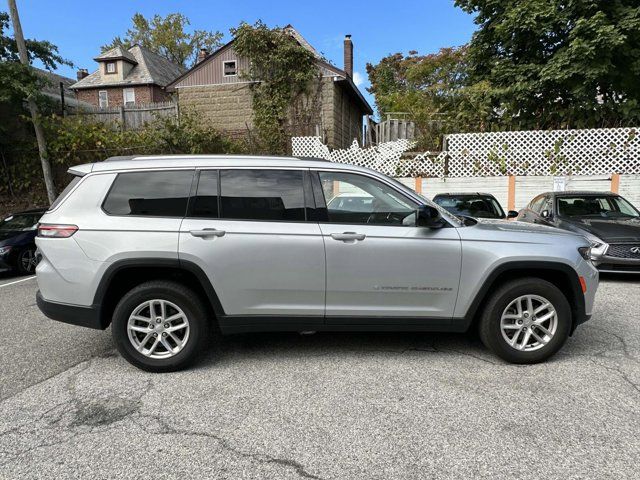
74,181
151,194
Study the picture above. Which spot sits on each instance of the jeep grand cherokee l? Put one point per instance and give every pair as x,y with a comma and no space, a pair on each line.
169,249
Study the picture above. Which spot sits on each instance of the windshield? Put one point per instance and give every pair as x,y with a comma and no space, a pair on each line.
605,206
25,221
479,206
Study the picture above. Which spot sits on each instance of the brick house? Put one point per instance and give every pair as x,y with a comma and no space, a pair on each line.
134,76
216,89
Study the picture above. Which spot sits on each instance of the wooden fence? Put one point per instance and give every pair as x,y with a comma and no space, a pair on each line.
396,126
129,117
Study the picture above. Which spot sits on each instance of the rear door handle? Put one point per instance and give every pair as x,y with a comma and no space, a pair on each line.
348,236
207,232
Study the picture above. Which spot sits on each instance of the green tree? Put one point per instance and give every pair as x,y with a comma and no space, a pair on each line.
166,36
18,81
558,63
434,90
282,72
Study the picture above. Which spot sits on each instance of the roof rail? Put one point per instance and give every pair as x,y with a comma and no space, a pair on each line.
120,157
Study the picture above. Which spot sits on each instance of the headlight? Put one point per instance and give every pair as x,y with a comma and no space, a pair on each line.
598,247
4,250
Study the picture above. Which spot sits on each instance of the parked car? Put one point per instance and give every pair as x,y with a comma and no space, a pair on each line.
164,248
17,241
353,201
607,220
477,205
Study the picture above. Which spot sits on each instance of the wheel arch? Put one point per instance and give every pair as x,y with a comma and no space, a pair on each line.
123,275
559,274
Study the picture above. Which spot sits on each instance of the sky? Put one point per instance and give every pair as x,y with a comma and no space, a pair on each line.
378,28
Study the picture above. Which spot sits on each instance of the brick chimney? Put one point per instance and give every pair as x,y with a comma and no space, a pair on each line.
348,56
202,54
82,73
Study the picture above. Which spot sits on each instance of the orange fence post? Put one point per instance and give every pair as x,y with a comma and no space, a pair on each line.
615,182
418,184
511,193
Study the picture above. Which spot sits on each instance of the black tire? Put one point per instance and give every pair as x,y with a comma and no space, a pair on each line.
489,327
26,255
188,301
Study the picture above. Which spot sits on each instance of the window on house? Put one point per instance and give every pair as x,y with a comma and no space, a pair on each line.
129,96
111,67
230,68
103,98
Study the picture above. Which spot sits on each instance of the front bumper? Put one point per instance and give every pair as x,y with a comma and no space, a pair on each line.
610,264
73,314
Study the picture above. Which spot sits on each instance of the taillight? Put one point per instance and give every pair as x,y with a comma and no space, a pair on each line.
46,230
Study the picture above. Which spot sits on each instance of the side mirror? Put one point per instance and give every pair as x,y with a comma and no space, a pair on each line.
429,217
512,214
546,214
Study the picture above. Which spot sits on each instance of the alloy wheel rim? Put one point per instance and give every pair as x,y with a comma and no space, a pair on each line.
529,323
158,329
28,260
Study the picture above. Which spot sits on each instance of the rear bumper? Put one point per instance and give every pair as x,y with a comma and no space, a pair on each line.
74,314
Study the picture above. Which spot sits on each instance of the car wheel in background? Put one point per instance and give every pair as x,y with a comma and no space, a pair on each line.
27,261
526,321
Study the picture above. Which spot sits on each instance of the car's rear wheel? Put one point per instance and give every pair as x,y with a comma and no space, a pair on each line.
27,261
160,326
526,321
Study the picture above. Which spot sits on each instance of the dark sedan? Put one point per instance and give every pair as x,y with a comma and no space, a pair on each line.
477,205
607,220
17,241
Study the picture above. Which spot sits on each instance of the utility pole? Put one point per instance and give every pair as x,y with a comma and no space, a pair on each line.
33,108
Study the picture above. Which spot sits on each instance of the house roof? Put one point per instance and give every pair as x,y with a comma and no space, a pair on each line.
341,75
52,88
116,53
149,68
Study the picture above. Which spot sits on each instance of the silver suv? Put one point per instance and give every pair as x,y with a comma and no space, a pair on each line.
170,251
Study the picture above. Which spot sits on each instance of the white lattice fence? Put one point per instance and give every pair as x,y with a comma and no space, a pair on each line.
385,157
537,152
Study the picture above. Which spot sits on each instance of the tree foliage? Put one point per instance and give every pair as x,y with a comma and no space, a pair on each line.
433,89
166,36
558,63
18,81
282,72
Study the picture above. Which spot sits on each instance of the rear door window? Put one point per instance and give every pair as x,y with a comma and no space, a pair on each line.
151,194
205,202
276,195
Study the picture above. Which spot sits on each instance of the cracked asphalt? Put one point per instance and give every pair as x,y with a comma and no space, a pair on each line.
327,406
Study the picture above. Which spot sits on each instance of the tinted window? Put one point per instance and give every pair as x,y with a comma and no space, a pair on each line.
536,204
593,205
482,206
74,181
23,221
205,202
355,198
156,194
262,195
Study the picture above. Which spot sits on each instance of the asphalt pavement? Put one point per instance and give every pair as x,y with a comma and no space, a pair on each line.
329,406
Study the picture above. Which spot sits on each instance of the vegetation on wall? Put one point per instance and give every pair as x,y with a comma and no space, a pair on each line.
73,140
167,36
283,72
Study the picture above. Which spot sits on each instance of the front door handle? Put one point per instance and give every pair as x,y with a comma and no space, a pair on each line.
348,236
207,232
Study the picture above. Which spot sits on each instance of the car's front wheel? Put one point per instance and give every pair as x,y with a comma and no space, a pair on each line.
160,326
526,321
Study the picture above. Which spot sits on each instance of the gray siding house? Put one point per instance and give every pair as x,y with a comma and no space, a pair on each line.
217,90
